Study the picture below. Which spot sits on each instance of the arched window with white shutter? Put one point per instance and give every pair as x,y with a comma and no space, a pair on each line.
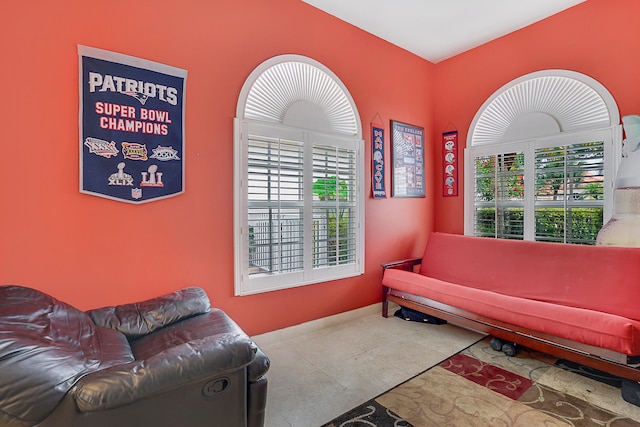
539,162
299,173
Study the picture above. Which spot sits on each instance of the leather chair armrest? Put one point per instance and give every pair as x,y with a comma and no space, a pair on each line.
405,264
138,319
175,367
259,366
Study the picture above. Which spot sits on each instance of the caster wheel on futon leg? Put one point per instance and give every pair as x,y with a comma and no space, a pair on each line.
496,344
509,348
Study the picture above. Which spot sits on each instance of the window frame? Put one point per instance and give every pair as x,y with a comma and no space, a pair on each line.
285,95
246,284
551,106
608,135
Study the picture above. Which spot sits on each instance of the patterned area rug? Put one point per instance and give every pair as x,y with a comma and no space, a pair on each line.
483,387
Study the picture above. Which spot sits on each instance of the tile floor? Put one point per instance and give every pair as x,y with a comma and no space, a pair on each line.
318,375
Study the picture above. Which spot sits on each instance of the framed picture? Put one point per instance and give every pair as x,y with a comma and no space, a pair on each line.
407,159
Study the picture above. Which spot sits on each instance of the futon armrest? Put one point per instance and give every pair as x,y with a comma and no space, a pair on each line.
138,319
405,264
173,368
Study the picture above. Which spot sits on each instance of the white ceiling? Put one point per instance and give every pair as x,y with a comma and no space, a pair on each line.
439,29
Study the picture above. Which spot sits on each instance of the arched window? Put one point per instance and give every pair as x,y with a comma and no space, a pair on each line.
299,172
539,159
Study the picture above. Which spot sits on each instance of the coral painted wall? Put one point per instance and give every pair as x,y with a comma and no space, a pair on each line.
598,38
91,251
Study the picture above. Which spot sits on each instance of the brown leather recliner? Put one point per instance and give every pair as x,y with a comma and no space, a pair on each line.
168,361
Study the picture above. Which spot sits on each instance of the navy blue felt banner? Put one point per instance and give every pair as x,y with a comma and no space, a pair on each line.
378,175
131,127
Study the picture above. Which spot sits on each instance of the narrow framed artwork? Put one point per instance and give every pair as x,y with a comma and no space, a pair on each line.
408,160
450,164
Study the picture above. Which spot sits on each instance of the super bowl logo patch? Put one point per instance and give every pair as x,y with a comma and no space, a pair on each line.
152,178
120,178
134,151
101,147
164,153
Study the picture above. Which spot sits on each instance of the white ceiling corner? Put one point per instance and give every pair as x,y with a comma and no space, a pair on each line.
439,29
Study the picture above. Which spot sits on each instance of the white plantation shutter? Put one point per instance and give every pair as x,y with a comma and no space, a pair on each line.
302,215
334,206
569,191
550,189
499,195
275,205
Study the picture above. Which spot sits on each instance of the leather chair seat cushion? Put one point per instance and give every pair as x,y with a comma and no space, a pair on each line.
174,368
213,323
114,347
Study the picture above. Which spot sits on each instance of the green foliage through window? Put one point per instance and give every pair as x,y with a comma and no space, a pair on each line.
332,226
566,201
584,224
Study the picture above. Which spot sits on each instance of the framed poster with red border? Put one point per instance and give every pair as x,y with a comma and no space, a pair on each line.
450,163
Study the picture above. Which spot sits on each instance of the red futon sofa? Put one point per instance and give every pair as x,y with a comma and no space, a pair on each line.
576,302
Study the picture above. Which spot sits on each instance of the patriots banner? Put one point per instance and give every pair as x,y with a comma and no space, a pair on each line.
377,142
131,127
